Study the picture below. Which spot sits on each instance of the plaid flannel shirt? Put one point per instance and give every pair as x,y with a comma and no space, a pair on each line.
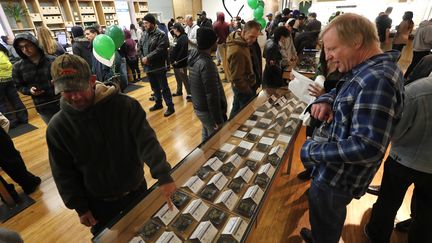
366,108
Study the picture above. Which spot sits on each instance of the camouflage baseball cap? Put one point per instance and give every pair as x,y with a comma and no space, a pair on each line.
70,73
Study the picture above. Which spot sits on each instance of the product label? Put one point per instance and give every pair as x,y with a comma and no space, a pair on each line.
236,227
205,232
219,180
256,131
274,111
168,237
235,160
197,209
228,198
226,147
137,239
276,151
250,123
284,138
239,134
265,121
245,173
214,163
166,215
256,155
194,184
246,145
259,113
255,193
266,169
267,141
267,105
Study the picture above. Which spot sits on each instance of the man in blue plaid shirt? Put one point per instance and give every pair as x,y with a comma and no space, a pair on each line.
359,117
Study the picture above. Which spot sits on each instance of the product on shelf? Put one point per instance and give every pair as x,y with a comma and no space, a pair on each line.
233,231
180,199
221,155
275,155
168,237
227,169
251,164
216,216
203,173
150,229
182,223
236,185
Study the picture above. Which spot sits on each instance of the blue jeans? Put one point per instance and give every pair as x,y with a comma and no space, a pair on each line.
207,122
9,94
327,211
240,101
159,85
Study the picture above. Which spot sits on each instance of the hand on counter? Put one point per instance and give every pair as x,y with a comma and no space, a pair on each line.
87,219
167,191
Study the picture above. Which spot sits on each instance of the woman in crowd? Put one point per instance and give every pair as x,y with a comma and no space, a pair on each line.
404,29
8,92
134,33
273,70
131,56
49,44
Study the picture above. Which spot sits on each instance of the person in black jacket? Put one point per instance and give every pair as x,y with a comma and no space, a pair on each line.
32,75
203,21
179,56
208,96
273,70
153,50
97,162
81,46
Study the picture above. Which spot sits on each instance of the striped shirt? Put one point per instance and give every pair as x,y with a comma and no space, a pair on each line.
366,108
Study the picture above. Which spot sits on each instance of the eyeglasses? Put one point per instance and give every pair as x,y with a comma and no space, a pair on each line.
26,46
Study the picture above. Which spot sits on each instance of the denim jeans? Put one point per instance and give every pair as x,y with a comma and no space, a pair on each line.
159,85
9,94
182,78
207,122
395,182
327,211
240,101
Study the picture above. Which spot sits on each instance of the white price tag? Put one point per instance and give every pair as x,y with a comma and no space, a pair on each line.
259,113
265,121
276,151
239,134
267,105
267,169
194,184
168,237
166,215
235,160
214,163
236,227
256,155
228,198
282,115
245,173
295,116
246,145
266,141
219,180
275,127
284,138
255,193
272,98
250,123
205,232
256,131
226,147
197,209
274,111
137,239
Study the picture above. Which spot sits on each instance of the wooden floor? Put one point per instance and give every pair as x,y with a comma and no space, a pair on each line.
48,220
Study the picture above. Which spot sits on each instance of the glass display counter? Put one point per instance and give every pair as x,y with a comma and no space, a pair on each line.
223,183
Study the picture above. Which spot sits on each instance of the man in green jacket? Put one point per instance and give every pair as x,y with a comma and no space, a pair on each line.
98,144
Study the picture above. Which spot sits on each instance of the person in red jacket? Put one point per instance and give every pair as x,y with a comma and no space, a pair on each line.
222,30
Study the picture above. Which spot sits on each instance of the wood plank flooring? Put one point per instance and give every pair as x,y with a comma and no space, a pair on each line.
48,220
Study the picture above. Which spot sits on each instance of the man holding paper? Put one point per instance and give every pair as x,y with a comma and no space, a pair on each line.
359,114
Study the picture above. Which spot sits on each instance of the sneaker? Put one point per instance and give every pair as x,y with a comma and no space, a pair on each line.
404,226
36,181
304,175
374,190
169,111
306,234
156,107
177,94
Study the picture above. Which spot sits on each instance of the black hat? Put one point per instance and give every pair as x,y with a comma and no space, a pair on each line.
77,31
206,37
150,18
202,13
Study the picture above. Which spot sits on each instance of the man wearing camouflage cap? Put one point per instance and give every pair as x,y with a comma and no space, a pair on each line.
97,145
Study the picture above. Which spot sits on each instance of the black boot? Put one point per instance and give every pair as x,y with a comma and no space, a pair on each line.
156,107
169,111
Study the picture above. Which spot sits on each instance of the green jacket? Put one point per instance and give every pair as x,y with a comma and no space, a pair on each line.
5,67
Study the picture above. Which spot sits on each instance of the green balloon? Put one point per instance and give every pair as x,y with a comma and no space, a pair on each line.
104,46
252,3
259,12
262,22
116,34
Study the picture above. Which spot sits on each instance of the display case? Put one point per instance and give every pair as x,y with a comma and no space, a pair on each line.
223,183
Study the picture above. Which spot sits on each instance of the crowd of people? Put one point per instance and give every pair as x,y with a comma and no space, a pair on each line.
360,108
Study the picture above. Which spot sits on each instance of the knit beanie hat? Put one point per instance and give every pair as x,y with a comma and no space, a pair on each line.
150,18
77,31
206,37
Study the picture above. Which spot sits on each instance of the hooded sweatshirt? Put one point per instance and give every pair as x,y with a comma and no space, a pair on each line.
240,68
221,28
26,74
206,88
131,51
93,155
